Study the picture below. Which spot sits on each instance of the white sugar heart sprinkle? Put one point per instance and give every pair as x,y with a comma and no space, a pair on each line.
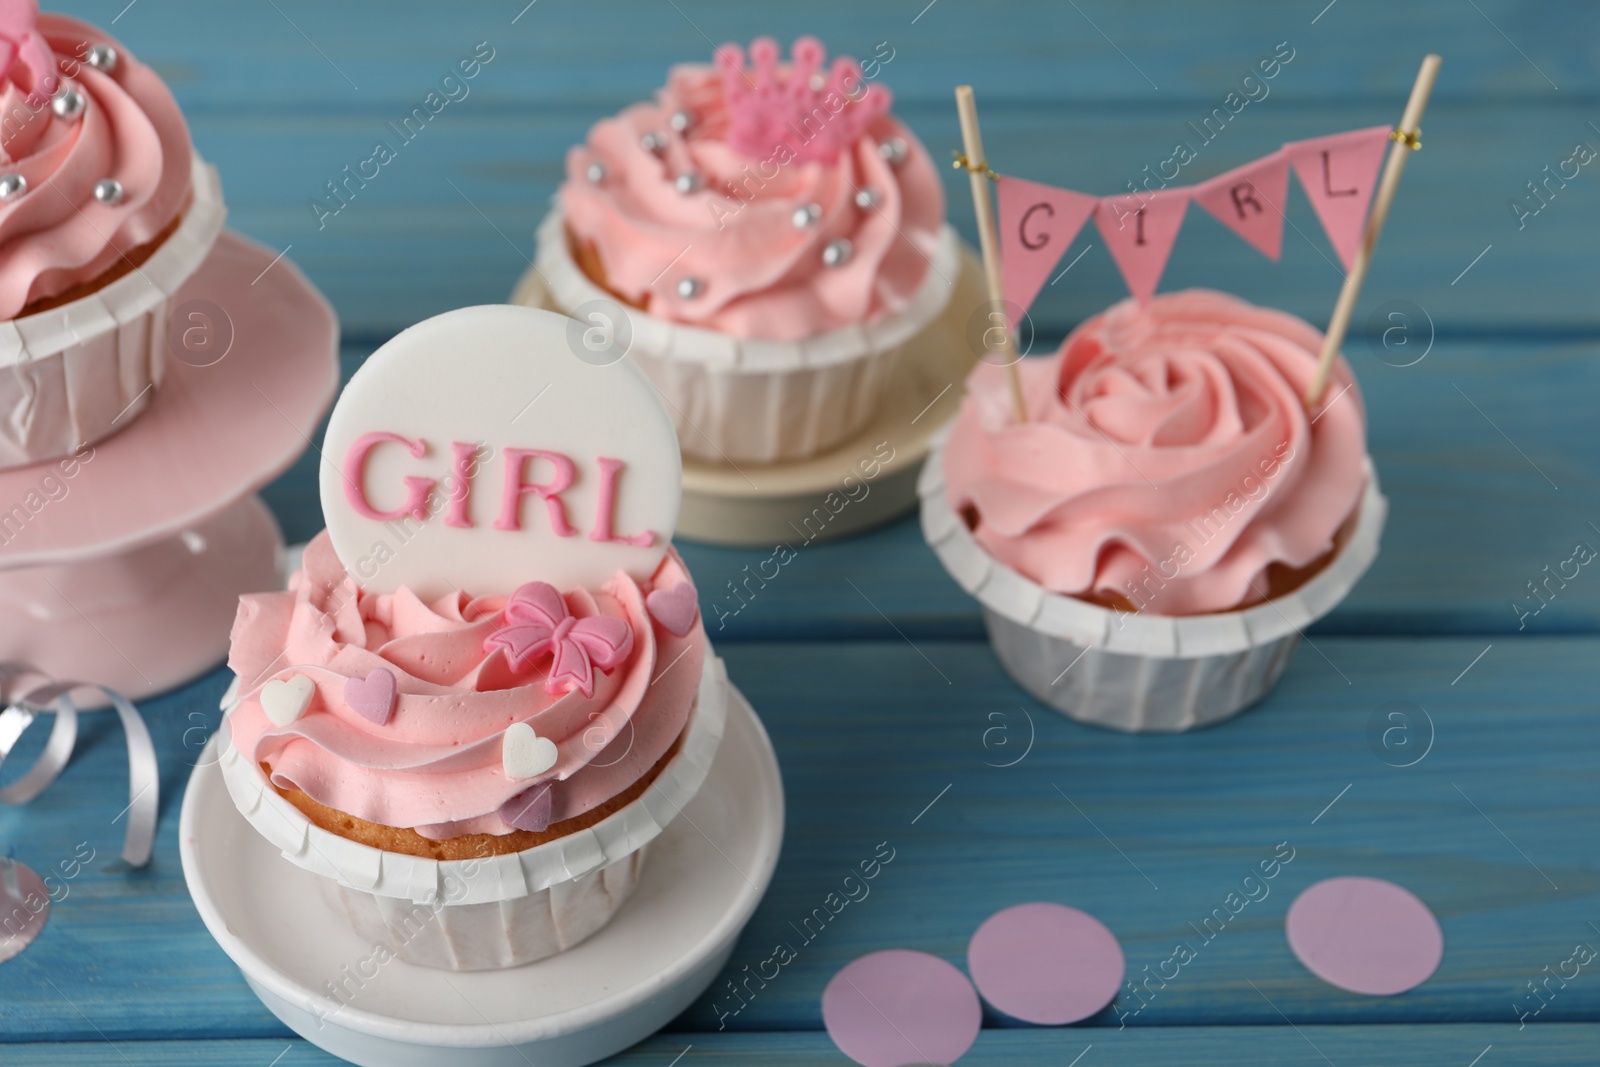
287,699
524,754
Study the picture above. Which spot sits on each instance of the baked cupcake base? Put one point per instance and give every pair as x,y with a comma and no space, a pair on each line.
1140,672
493,910
395,839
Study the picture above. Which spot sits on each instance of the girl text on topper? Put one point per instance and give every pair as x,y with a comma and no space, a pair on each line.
476,451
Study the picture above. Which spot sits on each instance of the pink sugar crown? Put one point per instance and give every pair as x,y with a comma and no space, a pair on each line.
768,112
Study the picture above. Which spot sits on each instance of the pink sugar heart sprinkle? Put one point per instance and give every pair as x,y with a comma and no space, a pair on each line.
674,608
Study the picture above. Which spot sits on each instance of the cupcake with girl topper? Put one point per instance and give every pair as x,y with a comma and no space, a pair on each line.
488,689
1153,515
768,242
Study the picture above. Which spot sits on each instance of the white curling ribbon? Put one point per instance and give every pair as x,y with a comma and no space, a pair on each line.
144,788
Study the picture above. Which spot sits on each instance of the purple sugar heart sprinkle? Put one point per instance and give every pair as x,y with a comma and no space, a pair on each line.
373,697
529,809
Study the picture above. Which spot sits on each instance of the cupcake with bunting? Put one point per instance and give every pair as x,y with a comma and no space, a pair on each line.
1150,541
763,239
488,688
1152,516
105,211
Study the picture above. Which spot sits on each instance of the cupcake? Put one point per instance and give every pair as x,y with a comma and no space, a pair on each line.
763,241
1150,543
477,772
105,210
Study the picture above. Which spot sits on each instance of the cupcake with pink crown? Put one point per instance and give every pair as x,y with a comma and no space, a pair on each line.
1149,545
488,689
105,210
764,239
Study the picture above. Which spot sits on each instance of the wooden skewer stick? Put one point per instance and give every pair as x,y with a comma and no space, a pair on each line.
977,171
1409,131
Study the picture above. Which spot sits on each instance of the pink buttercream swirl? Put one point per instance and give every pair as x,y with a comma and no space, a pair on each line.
56,234
1167,458
704,207
436,765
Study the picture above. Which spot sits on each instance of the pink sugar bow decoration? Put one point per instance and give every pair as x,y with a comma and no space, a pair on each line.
24,52
814,120
538,622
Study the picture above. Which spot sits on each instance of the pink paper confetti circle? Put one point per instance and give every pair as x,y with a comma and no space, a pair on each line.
1046,963
888,1009
1365,935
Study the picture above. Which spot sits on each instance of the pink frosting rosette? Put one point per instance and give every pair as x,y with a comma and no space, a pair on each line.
1167,459
435,765
77,110
776,202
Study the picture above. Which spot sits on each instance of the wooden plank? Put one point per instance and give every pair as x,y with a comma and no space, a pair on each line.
1472,520
502,144
256,58
1393,1046
870,734
451,217
1463,449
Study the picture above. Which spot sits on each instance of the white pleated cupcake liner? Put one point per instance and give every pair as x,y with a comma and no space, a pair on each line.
75,374
495,933
743,400
495,911
1139,672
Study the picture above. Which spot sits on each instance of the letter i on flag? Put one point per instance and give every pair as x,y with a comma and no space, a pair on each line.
1339,174
1140,230
1037,223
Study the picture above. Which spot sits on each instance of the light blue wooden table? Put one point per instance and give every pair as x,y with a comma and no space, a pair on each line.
878,696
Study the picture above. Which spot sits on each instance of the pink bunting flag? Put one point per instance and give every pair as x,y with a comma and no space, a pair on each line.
1339,174
1140,229
1250,201
1037,223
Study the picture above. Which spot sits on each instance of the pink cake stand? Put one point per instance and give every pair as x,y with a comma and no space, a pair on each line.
130,576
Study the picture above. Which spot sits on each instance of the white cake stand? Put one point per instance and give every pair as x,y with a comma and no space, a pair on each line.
762,505
705,875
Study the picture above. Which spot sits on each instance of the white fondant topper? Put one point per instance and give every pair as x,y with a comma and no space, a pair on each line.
476,451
